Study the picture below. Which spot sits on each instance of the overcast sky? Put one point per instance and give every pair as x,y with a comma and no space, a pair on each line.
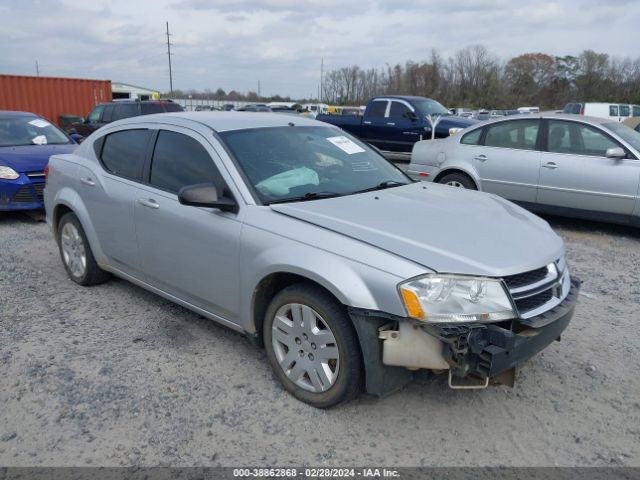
234,43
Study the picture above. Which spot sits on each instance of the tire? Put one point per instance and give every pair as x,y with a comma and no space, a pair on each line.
76,253
312,367
459,180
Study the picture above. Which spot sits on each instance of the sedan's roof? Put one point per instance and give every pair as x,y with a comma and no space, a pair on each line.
225,121
550,116
15,114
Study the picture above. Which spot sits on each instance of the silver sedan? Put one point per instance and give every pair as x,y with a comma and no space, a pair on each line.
567,165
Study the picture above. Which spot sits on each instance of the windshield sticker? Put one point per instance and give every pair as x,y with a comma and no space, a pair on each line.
363,166
39,140
346,145
40,123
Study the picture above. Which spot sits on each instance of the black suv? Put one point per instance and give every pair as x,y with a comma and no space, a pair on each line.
110,112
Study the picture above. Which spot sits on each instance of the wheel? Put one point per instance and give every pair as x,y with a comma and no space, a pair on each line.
76,254
312,346
459,180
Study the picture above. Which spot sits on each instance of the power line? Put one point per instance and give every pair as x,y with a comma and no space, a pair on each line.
169,54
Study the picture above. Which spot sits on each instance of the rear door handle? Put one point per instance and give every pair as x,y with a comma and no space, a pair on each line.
550,165
481,158
368,122
391,123
88,181
150,203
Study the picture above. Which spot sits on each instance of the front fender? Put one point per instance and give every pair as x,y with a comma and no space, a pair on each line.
352,283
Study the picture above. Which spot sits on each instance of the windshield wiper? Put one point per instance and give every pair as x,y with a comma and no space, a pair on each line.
305,197
381,186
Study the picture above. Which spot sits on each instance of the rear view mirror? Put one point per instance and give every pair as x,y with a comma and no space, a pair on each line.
206,195
616,153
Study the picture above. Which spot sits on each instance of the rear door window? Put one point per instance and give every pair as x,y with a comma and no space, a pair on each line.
377,109
625,111
124,152
107,115
125,110
149,108
516,134
179,160
636,111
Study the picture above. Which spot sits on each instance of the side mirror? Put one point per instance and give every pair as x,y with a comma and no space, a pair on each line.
616,153
76,137
410,115
206,195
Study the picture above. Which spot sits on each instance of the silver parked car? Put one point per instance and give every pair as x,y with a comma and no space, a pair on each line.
307,240
552,163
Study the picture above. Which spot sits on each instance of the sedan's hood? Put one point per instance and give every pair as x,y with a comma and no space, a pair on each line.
31,158
440,227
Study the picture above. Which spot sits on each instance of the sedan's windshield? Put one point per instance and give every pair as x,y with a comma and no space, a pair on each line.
430,107
629,135
27,130
305,163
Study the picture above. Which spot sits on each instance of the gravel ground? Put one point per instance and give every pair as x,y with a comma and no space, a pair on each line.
113,375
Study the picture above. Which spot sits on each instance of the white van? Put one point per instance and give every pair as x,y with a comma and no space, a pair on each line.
613,111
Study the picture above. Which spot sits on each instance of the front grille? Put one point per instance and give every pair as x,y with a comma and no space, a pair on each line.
526,278
25,195
536,291
531,303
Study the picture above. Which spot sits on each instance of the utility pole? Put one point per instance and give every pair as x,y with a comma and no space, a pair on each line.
321,75
258,90
169,53
37,69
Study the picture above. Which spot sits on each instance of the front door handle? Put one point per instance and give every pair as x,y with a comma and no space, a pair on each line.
550,165
150,203
88,181
481,158
391,124
368,122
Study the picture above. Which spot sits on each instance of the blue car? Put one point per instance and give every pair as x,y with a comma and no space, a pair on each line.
26,143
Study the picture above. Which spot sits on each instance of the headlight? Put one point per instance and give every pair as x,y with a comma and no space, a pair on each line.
454,130
7,173
454,298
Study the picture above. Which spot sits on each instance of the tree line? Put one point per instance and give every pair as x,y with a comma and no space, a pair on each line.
231,96
473,77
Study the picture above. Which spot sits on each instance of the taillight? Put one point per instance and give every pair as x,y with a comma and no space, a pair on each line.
46,173
582,110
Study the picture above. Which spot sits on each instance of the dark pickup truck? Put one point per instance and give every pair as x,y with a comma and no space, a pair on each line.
394,123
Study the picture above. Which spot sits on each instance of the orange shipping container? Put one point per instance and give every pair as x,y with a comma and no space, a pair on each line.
51,97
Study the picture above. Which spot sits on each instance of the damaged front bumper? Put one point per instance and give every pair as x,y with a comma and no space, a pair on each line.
474,352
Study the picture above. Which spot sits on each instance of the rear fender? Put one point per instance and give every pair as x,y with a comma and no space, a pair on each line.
69,198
